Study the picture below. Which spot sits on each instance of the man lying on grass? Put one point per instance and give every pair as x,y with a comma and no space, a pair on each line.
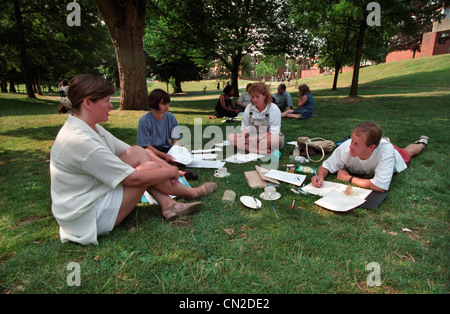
368,155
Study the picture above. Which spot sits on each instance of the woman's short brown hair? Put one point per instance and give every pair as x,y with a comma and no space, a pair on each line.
155,97
86,86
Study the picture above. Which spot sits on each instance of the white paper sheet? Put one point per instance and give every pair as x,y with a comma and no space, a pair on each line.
291,178
243,158
205,156
338,201
214,164
329,187
224,143
180,154
202,151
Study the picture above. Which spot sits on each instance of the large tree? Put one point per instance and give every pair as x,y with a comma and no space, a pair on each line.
125,20
330,23
37,46
227,30
366,25
167,58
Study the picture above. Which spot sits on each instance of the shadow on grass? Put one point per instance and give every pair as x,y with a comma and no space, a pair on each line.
43,133
25,106
25,182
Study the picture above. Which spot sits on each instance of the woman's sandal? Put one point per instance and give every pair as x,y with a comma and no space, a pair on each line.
181,209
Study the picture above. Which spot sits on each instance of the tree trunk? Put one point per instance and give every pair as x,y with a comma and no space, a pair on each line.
12,87
126,25
178,84
337,68
38,84
235,73
359,46
23,50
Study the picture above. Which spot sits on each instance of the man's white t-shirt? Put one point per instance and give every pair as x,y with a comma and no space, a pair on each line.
84,166
384,161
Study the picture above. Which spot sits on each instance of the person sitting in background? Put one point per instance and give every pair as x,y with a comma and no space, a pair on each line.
282,98
244,99
97,179
64,87
367,154
305,105
225,106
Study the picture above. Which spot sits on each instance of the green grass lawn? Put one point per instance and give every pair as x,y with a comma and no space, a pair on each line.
229,248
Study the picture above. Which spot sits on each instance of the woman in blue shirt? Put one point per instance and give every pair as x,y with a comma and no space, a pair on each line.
305,105
158,129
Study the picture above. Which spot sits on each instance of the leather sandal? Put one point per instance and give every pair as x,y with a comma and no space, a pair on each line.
169,214
181,209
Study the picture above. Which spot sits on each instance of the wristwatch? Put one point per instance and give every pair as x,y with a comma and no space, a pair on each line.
350,180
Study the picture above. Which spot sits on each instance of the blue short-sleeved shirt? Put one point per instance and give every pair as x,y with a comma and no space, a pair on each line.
157,133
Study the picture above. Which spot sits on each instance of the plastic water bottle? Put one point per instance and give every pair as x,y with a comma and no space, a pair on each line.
299,159
305,169
296,151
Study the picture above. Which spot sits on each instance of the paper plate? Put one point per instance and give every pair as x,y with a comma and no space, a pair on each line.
277,196
251,202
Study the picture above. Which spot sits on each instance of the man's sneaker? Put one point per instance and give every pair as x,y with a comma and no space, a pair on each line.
423,139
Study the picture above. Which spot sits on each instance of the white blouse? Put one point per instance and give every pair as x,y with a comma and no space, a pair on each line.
84,166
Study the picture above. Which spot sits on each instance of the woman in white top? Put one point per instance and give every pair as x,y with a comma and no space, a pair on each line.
261,124
96,179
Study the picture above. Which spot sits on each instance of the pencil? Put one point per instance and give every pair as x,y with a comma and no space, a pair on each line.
274,211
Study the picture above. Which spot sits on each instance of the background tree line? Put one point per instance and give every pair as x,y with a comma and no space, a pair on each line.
130,40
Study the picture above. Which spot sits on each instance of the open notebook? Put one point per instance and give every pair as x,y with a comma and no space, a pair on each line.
334,198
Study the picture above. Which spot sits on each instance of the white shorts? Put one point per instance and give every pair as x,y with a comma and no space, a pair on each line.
107,210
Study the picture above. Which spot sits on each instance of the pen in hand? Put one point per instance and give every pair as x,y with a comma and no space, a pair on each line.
317,178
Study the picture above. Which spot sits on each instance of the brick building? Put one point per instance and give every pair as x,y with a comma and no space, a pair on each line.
434,43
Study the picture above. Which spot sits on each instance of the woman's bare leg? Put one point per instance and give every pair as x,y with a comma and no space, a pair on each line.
285,114
138,158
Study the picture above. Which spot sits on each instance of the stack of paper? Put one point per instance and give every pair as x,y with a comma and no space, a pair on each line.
243,158
183,156
258,179
291,178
